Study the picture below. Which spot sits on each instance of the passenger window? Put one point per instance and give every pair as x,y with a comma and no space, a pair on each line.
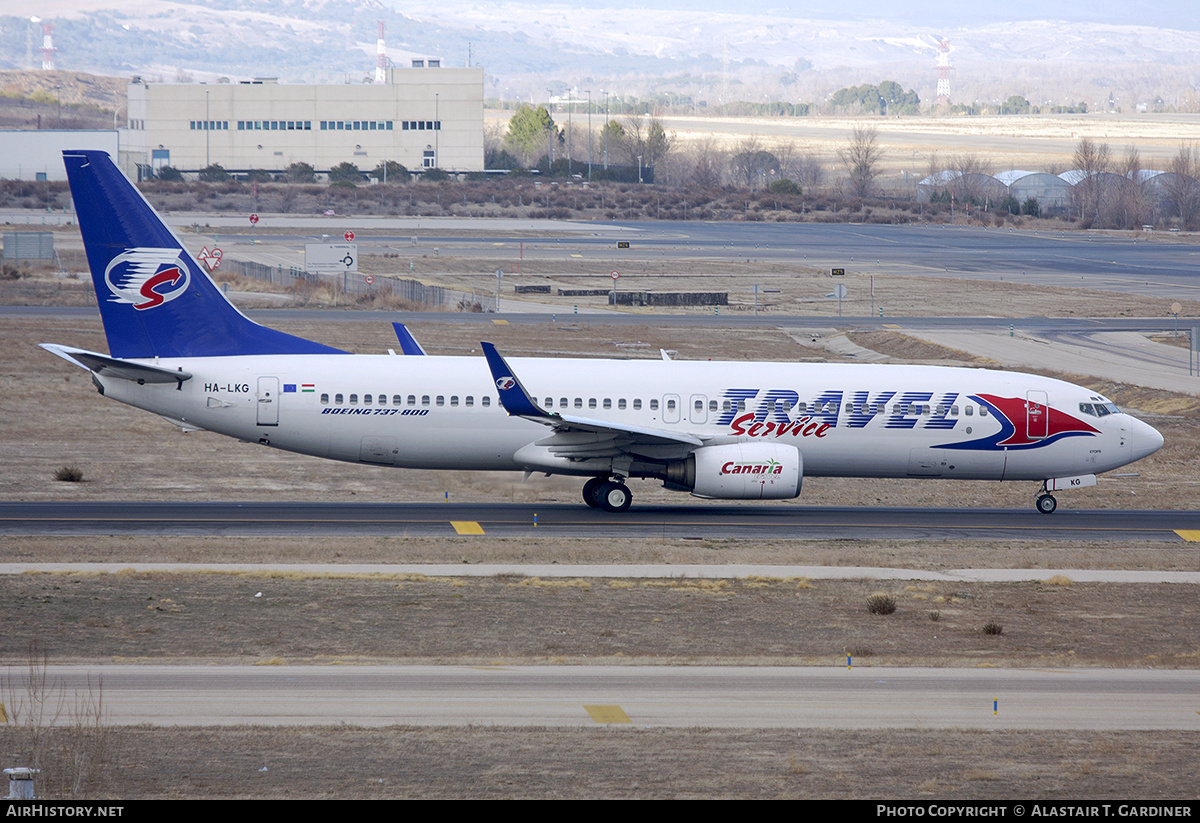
954,411
983,411
621,403
562,403
337,398
470,401
324,400
549,402
441,400
725,405
397,400
424,400
354,400
670,405
485,401
608,402
366,399
579,402
412,400
591,402
712,405
637,405
454,400
654,405
969,410
699,405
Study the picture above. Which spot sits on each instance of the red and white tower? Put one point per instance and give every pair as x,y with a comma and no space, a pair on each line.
943,71
47,46
380,58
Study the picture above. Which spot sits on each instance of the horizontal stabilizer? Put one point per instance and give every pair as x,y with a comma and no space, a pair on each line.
107,366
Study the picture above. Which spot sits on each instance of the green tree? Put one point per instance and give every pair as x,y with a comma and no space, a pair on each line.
300,173
170,174
1016,104
530,131
391,172
1031,207
785,186
258,176
345,173
214,174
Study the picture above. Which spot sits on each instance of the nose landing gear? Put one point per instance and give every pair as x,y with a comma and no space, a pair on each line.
1046,504
608,495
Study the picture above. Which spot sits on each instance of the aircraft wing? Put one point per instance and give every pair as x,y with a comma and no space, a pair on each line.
608,435
112,367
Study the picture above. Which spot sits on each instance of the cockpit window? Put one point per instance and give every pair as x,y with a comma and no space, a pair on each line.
1099,409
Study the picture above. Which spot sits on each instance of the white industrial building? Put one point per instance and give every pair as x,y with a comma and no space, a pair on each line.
37,155
422,118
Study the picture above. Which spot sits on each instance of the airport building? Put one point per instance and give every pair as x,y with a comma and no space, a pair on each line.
423,118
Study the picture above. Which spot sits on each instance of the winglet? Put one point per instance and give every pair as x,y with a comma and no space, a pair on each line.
513,397
408,343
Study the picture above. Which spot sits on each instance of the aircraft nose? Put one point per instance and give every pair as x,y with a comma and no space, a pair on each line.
1144,439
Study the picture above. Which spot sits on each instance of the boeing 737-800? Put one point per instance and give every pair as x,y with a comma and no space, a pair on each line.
719,430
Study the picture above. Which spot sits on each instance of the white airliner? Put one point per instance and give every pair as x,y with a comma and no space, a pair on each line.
727,430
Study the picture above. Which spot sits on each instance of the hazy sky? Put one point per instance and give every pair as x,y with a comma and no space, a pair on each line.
1176,14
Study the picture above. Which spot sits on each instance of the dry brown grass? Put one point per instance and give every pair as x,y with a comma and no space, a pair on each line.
305,619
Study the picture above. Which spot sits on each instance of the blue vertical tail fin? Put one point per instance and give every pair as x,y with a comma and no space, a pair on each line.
154,298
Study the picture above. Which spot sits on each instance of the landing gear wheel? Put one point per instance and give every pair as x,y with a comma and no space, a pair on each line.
615,497
1046,504
591,491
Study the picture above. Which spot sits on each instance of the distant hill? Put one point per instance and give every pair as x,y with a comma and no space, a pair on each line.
702,53
60,99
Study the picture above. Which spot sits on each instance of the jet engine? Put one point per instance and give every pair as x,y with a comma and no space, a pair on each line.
739,471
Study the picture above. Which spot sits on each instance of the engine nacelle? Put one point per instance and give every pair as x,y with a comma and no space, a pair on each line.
740,471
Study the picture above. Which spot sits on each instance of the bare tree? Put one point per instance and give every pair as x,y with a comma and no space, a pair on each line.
1094,161
801,168
861,158
1132,201
970,185
1180,186
707,161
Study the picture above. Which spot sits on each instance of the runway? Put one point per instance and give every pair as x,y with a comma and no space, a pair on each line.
752,521
645,696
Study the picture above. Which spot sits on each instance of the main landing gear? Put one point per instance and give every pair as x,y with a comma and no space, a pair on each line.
609,495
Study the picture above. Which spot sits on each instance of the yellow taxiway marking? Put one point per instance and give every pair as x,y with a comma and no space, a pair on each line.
1190,535
500,322
607,714
466,527
891,326
577,255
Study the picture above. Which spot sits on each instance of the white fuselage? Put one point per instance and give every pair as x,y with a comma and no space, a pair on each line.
851,421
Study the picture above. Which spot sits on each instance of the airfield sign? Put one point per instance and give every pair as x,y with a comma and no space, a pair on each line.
326,258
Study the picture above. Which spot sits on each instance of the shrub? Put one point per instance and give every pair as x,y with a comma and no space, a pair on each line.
881,604
69,474
993,629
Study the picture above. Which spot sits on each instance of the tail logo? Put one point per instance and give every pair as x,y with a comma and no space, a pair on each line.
145,278
505,383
